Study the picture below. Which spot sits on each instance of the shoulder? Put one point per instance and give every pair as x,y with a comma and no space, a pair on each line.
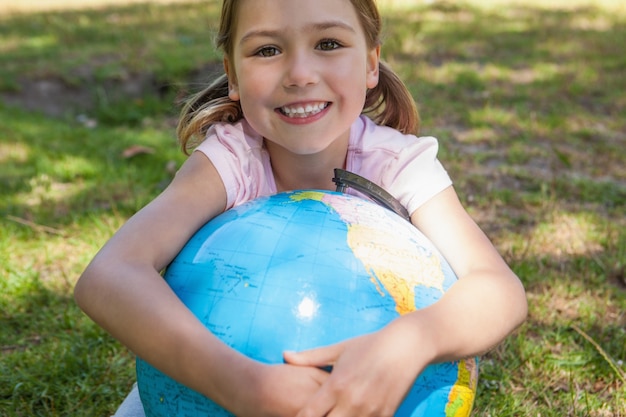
405,165
368,137
382,146
231,137
239,157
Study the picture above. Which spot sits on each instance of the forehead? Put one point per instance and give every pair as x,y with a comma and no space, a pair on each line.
294,15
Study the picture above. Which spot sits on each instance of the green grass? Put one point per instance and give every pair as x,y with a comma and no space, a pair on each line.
527,100
165,41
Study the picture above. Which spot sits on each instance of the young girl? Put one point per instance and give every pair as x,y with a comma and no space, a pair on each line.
300,77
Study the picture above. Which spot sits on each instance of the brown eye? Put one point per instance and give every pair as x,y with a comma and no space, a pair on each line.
268,51
328,45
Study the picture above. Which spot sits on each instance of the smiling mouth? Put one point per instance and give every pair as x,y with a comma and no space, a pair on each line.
303,111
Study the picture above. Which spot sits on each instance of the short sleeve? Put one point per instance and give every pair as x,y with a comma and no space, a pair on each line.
406,166
238,155
416,175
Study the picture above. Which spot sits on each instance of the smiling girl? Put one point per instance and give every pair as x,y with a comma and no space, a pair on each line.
304,92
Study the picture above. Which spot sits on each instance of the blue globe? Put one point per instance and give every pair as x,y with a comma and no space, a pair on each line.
304,269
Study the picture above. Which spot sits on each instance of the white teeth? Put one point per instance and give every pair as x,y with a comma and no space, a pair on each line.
304,111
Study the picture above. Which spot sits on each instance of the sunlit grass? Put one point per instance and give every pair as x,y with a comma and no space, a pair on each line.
526,99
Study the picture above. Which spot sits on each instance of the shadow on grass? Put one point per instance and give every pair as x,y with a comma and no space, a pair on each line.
528,104
48,355
533,95
54,170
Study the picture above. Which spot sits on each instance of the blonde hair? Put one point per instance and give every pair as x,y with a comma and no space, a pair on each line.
389,103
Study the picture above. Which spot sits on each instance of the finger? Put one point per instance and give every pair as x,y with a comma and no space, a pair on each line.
320,357
319,375
319,405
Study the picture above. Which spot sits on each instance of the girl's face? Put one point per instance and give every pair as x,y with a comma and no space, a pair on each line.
300,70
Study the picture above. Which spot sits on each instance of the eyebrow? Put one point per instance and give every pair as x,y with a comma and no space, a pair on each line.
315,27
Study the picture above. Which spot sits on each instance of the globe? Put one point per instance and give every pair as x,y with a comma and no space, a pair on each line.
304,269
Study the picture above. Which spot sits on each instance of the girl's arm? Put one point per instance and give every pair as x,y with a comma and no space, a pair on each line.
487,303
123,292
372,373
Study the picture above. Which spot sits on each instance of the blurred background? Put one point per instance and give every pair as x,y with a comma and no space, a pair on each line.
526,98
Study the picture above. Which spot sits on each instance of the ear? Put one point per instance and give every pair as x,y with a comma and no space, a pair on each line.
373,61
233,86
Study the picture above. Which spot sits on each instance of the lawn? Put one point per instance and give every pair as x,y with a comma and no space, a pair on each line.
527,100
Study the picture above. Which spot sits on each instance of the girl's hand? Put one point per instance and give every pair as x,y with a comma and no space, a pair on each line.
279,390
370,377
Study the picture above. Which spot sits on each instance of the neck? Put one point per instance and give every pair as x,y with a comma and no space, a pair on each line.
300,172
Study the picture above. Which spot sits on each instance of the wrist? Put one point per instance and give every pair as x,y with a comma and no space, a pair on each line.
241,386
418,340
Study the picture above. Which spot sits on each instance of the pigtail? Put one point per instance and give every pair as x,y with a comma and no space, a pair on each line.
391,104
209,106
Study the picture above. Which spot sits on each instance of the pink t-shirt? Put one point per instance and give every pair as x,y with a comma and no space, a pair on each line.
406,166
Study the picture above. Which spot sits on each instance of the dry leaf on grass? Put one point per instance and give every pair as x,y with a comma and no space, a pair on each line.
136,150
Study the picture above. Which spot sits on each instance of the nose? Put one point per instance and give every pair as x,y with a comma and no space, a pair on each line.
301,70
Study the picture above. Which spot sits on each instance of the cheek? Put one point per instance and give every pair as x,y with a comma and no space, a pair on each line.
254,85
254,93
348,77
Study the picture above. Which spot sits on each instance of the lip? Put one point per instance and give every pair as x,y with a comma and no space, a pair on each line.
309,111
